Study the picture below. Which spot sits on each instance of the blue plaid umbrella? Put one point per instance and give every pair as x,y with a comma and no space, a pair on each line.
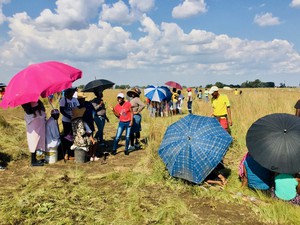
155,93
193,146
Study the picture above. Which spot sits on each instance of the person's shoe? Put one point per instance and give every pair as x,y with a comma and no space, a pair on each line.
130,147
126,152
113,152
2,168
137,146
37,163
94,159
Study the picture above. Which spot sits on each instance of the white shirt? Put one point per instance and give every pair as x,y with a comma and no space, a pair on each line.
71,104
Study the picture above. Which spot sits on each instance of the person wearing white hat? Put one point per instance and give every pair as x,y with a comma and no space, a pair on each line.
124,112
221,108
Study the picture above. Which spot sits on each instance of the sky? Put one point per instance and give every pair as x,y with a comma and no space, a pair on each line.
150,42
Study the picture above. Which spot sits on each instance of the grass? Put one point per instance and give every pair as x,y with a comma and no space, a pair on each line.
141,192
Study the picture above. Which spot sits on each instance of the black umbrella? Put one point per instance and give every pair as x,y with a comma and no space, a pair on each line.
274,142
100,84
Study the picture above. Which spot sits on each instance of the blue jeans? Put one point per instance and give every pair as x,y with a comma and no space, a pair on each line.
189,105
122,126
100,122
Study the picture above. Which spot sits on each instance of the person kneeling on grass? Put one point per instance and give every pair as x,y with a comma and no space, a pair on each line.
254,175
216,177
82,134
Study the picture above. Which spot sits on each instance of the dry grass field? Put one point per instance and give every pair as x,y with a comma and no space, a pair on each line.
137,189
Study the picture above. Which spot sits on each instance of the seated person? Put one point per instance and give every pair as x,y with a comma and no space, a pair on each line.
81,132
255,176
287,188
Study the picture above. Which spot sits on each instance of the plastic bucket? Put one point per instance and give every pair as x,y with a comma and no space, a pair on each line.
80,155
51,155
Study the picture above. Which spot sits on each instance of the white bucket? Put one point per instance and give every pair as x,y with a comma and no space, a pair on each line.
51,155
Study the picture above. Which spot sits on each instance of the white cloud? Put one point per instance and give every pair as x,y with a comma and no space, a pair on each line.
266,19
69,14
165,50
142,5
295,3
189,8
118,12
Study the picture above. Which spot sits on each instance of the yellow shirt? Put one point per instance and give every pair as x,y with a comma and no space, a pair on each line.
175,97
220,105
236,92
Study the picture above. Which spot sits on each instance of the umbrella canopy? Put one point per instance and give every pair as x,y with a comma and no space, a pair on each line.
274,142
41,79
100,84
155,93
2,85
168,92
193,146
174,84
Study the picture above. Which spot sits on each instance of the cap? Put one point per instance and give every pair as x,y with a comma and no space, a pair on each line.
213,89
189,89
120,95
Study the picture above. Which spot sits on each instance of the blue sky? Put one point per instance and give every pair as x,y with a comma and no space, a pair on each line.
141,42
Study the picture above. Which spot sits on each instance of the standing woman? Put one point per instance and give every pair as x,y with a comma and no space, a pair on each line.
100,115
124,112
35,118
137,107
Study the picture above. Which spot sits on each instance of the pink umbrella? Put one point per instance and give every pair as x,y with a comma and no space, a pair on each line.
174,84
41,79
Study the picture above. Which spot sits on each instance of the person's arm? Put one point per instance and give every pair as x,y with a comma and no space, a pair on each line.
297,112
229,116
62,111
141,106
131,117
298,186
245,178
115,112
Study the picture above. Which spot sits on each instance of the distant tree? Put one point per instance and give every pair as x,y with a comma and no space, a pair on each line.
219,84
282,85
122,86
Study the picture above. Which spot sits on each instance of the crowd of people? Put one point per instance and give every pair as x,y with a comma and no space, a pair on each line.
79,117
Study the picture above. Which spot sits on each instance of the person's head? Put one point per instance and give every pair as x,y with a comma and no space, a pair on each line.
78,112
179,92
70,92
98,92
134,92
121,98
55,114
174,90
189,89
214,91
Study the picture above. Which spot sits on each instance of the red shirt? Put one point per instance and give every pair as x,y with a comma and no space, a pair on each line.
124,111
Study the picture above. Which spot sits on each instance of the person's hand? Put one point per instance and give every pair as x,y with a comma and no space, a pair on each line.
130,124
230,123
107,119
